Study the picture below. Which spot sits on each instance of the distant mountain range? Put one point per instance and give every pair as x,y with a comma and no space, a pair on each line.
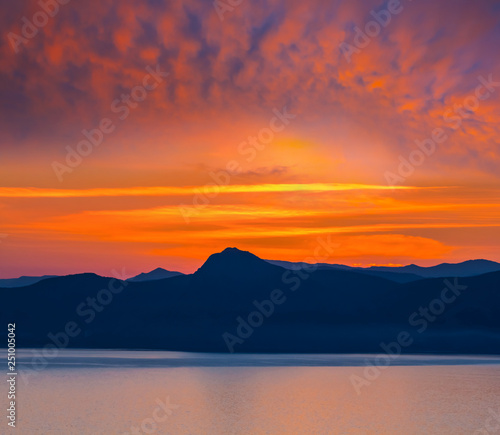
466,268
239,302
22,281
408,273
411,272
158,273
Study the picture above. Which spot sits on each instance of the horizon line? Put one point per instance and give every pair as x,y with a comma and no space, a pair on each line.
353,266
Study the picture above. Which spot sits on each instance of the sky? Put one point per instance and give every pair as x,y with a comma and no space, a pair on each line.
136,135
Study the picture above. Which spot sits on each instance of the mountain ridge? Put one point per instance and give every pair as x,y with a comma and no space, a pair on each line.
322,311
413,271
407,273
156,274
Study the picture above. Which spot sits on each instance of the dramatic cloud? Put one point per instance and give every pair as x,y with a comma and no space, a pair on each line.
362,118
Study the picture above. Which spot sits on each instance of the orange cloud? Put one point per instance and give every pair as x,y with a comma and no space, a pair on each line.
353,122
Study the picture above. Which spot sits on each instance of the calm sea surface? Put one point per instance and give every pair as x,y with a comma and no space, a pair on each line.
113,392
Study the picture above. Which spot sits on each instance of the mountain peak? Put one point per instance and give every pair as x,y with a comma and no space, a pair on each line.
233,254
234,261
234,251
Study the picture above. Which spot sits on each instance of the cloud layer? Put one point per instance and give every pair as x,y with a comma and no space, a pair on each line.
354,119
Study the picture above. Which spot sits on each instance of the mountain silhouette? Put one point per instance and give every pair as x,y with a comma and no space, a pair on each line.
22,281
466,268
235,263
311,309
158,273
411,272
387,274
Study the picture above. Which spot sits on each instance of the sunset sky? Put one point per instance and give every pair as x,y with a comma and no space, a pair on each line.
248,126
